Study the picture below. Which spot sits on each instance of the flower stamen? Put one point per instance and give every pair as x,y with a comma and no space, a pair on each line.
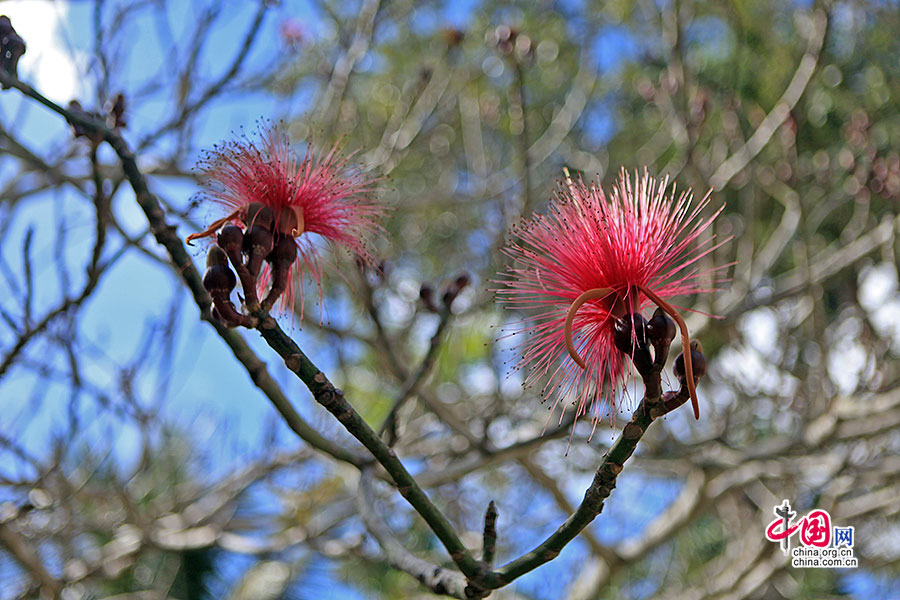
301,224
212,229
570,317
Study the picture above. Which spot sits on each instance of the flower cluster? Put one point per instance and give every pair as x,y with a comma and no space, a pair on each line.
264,185
582,272
591,260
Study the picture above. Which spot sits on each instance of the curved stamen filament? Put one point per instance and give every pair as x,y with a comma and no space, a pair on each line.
570,316
212,229
301,224
685,345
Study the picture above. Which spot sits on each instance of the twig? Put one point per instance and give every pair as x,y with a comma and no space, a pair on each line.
167,236
215,88
26,556
601,487
489,539
412,383
782,109
436,578
334,93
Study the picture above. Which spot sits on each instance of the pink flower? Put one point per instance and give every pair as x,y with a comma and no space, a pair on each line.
292,32
320,194
594,258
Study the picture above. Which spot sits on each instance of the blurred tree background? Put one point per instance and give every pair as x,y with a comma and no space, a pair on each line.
139,460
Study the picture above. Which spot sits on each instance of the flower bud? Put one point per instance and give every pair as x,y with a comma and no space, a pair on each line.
698,363
660,329
12,47
284,253
426,293
259,214
258,244
630,333
219,279
453,289
231,239
282,259
216,256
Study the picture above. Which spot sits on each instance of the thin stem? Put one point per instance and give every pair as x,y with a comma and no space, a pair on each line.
489,539
414,381
439,580
650,408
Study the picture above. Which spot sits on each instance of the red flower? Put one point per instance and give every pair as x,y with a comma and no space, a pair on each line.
319,194
591,259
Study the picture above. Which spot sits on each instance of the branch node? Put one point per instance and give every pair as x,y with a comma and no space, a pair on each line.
293,362
632,431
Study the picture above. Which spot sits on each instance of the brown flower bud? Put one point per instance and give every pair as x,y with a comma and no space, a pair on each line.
660,333
258,243
426,293
216,256
698,363
452,36
12,47
117,112
282,259
660,329
630,333
284,252
258,214
219,279
231,239
79,129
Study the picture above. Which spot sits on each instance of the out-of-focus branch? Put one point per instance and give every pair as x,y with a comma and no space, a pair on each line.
95,271
825,264
592,504
213,90
792,94
437,579
330,103
550,484
411,385
26,556
167,236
